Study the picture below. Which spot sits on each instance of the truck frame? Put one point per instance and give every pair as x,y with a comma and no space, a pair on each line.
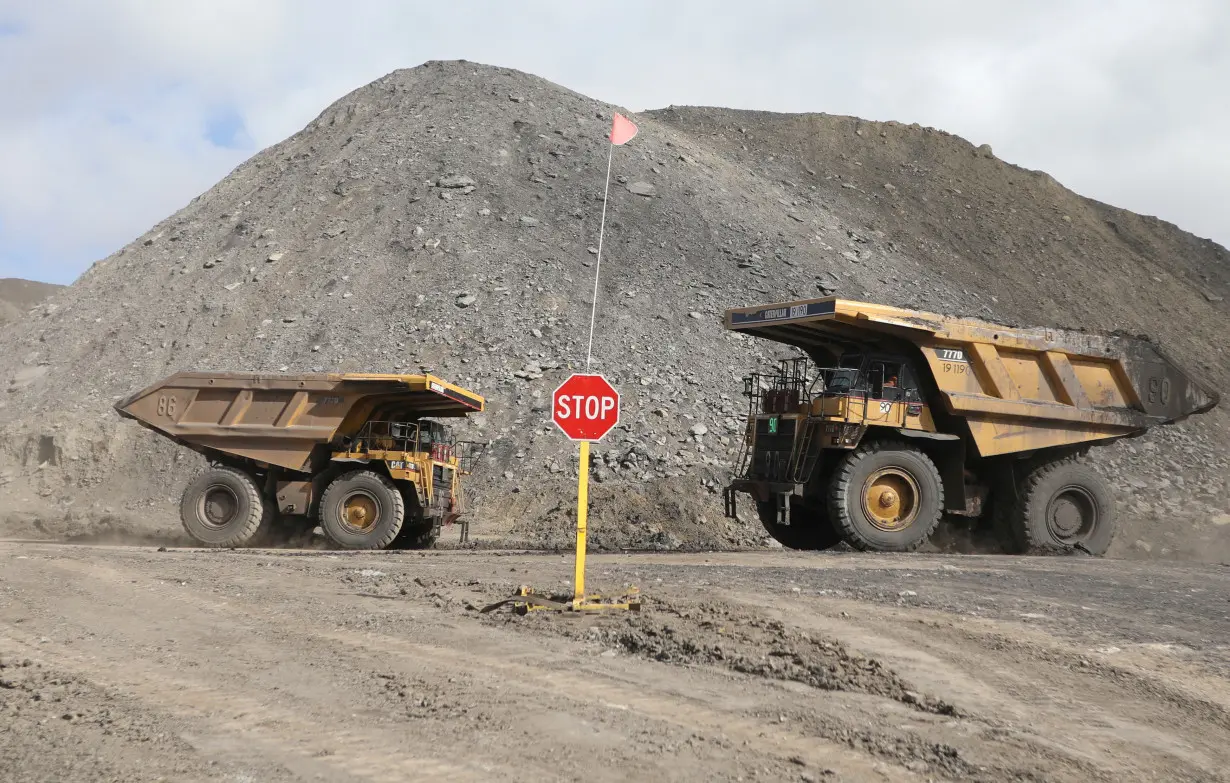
361,454
892,418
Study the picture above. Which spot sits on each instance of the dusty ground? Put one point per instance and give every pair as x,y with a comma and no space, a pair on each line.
133,664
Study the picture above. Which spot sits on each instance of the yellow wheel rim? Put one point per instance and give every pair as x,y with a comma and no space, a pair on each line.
890,499
360,512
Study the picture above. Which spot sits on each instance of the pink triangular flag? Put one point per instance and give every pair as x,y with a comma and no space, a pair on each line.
622,130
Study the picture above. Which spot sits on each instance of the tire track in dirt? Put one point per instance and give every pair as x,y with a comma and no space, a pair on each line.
656,700
642,688
1106,714
231,723
1032,710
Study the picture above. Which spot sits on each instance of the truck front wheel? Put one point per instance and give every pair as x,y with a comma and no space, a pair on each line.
809,526
886,497
223,507
362,510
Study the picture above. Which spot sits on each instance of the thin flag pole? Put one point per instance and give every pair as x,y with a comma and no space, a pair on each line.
622,131
593,310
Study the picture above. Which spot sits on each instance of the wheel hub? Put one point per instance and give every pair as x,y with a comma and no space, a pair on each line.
359,512
218,506
1072,514
890,499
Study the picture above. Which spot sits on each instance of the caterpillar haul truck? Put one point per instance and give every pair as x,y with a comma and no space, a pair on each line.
891,418
362,455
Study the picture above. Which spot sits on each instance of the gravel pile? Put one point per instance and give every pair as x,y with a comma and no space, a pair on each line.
445,218
17,297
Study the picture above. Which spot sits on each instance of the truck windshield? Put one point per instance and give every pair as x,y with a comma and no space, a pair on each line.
432,432
838,381
425,434
842,378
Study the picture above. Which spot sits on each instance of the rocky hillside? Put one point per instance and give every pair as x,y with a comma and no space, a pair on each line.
18,296
445,217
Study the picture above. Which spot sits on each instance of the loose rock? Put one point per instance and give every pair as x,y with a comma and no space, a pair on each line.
454,181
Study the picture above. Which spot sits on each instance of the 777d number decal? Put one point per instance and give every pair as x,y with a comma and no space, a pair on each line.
951,355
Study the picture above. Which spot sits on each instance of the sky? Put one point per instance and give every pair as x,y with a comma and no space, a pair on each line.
114,115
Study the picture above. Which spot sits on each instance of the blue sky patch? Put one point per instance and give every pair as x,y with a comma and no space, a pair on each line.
29,259
11,29
224,128
115,116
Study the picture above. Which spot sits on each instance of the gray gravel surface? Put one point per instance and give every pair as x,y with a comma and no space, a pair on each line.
129,663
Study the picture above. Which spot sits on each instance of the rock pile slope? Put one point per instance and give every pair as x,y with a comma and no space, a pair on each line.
445,217
18,296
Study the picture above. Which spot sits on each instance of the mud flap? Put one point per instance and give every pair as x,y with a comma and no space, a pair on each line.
781,502
728,499
452,517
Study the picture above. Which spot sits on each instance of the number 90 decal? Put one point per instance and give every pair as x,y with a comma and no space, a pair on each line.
1159,391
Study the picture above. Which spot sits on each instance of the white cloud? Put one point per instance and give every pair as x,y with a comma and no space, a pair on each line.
107,106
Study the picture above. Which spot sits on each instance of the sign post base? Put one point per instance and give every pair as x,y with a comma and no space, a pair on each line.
526,600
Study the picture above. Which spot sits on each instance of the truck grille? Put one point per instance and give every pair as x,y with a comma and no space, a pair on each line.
772,454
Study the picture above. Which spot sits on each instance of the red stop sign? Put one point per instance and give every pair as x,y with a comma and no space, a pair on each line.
585,407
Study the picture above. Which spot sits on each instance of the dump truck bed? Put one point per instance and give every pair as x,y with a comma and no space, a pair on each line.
280,419
1018,388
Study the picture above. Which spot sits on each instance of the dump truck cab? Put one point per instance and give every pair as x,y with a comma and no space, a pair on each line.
891,418
365,455
423,454
870,388
830,407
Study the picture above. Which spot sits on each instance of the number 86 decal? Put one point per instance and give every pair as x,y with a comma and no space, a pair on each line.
166,406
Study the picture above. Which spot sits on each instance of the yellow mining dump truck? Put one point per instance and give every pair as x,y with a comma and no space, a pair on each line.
360,454
894,417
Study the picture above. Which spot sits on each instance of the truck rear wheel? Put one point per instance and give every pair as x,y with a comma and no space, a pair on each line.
362,510
886,497
1063,504
223,507
809,527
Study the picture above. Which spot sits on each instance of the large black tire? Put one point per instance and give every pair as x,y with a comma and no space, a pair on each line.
810,528
362,510
886,496
223,507
1063,505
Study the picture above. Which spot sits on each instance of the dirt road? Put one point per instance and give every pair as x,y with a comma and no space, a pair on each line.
130,664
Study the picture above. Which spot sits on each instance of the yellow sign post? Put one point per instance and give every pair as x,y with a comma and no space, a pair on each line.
527,599
580,601
578,595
